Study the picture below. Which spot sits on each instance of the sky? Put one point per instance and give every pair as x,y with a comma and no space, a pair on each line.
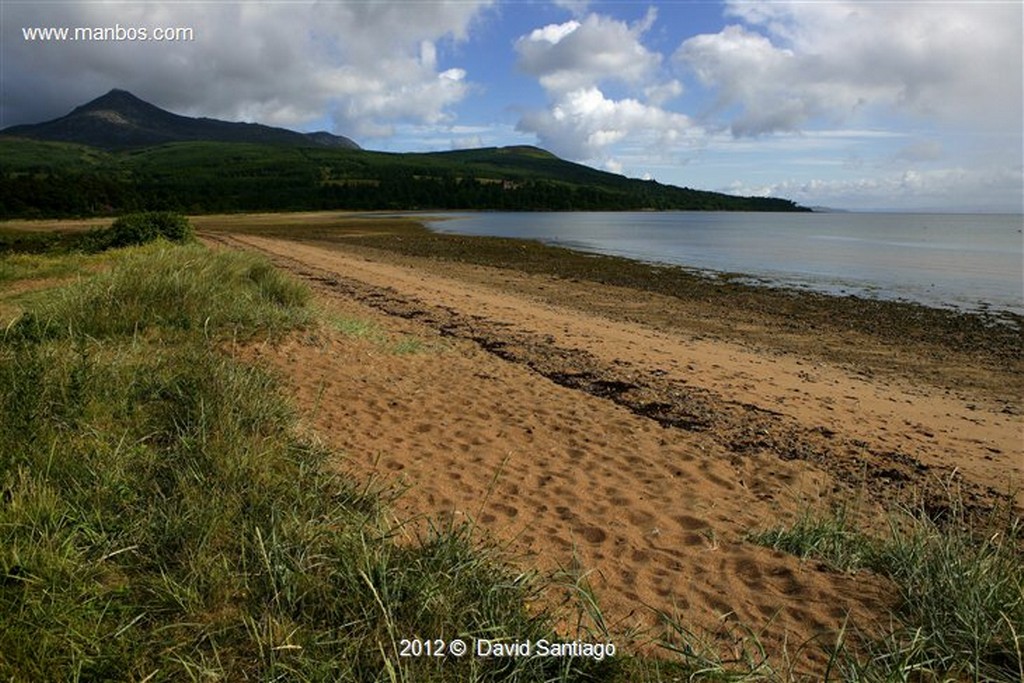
855,105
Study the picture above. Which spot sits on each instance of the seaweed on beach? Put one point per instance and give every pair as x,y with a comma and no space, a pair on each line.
743,429
989,338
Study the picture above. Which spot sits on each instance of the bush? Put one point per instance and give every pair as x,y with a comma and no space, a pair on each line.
140,228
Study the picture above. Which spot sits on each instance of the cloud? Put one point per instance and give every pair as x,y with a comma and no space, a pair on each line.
582,123
578,54
577,7
661,93
952,188
366,65
920,151
788,63
575,62
467,142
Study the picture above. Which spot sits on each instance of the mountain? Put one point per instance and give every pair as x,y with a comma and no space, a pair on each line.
120,120
119,154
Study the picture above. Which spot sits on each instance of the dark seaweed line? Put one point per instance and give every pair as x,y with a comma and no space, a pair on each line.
741,428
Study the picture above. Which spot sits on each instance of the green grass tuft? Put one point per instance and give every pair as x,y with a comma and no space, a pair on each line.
960,613
829,537
364,329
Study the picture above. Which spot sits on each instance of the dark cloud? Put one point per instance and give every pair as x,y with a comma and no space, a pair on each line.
364,65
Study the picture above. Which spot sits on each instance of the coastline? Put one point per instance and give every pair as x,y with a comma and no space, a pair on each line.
639,436
985,347
889,256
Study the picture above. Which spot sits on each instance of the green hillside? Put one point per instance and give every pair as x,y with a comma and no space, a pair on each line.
52,179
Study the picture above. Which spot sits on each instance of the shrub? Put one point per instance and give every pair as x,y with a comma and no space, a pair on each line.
140,228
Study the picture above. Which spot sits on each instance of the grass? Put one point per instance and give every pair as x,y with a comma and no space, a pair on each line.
364,329
354,327
408,345
960,586
161,520
16,267
161,287
829,537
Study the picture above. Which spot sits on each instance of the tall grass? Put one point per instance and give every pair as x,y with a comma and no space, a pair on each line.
160,520
22,266
960,585
166,287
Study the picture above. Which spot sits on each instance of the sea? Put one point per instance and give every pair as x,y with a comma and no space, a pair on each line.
963,261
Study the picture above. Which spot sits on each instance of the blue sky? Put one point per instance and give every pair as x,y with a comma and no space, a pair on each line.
861,105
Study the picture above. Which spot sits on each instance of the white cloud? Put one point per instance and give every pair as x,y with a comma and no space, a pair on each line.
661,93
920,151
578,54
574,61
551,34
613,166
467,142
951,188
577,7
582,123
367,65
410,92
793,62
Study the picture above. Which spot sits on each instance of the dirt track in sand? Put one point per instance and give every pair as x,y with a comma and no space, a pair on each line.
642,455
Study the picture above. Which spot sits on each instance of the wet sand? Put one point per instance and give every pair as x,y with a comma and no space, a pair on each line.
632,437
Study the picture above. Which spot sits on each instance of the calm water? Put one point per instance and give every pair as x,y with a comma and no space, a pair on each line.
965,261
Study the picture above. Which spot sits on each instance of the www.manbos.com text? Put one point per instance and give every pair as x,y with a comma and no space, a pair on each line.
116,33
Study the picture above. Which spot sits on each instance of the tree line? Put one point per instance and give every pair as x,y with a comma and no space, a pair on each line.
57,194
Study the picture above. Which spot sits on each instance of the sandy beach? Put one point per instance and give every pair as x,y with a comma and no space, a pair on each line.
632,439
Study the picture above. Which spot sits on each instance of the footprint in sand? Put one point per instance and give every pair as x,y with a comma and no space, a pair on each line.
594,534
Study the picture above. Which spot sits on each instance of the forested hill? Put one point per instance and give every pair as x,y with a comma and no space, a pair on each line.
55,179
119,153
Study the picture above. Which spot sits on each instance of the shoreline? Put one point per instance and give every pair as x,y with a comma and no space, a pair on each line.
684,403
1009,311
891,337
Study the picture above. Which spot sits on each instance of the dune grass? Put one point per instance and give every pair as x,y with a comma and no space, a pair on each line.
960,587
21,266
161,520
161,287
